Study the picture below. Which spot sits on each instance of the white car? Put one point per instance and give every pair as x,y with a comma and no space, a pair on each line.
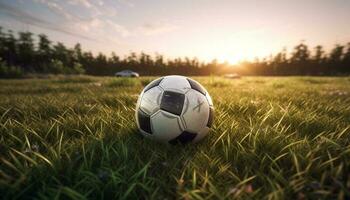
232,76
126,73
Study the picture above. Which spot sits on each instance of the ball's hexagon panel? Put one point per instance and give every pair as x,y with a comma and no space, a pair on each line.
197,86
152,84
165,126
150,101
201,134
196,111
184,138
172,102
175,83
144,121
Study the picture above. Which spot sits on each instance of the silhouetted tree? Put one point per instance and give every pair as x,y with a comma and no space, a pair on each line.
44,53
335,59
77,53
346,60
319,55
24,54
26,51
318,61
300,59
11,54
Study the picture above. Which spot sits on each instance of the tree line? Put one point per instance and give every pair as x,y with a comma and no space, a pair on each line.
24,53
303,61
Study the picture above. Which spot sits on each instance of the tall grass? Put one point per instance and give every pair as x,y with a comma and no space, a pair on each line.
273,138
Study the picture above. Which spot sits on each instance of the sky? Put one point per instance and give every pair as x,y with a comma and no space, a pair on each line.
227,30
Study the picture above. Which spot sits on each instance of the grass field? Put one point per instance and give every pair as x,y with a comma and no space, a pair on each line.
273,138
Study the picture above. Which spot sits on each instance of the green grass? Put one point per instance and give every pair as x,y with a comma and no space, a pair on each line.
273,138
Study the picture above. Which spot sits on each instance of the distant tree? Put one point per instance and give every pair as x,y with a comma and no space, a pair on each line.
319,56
101,60
277,64
2,43
44,53
44,45
300,59
132,59
61,53
87,61
301,54
57,67
318,60
336,54
7,71
114,59
26,50
78,68
21,53
77,53
346,60
11,53
149,60
335,59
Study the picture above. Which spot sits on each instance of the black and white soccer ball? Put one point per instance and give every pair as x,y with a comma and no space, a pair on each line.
174,109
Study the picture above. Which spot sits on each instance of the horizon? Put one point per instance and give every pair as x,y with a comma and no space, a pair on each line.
230,31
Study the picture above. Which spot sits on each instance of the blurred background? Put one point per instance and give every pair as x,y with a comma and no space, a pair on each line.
197,37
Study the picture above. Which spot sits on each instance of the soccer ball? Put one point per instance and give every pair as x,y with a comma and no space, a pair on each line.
174,109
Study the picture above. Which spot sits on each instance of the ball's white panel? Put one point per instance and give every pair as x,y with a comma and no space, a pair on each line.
175,83
209,99
165,126
196,111
150,101
201,134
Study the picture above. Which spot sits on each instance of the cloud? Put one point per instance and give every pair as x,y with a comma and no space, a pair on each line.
98,18
96,26
95,7
124,32
59,10
157,28
85,3
26,18
127,2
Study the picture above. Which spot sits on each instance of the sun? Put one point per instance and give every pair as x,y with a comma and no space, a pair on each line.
233,50
231,58
226,56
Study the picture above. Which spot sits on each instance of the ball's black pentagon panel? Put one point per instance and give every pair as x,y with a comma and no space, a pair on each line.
196,86
172,102
144,121
153,84
211,117
183,138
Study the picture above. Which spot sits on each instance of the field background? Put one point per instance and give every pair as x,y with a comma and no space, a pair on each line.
74,137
